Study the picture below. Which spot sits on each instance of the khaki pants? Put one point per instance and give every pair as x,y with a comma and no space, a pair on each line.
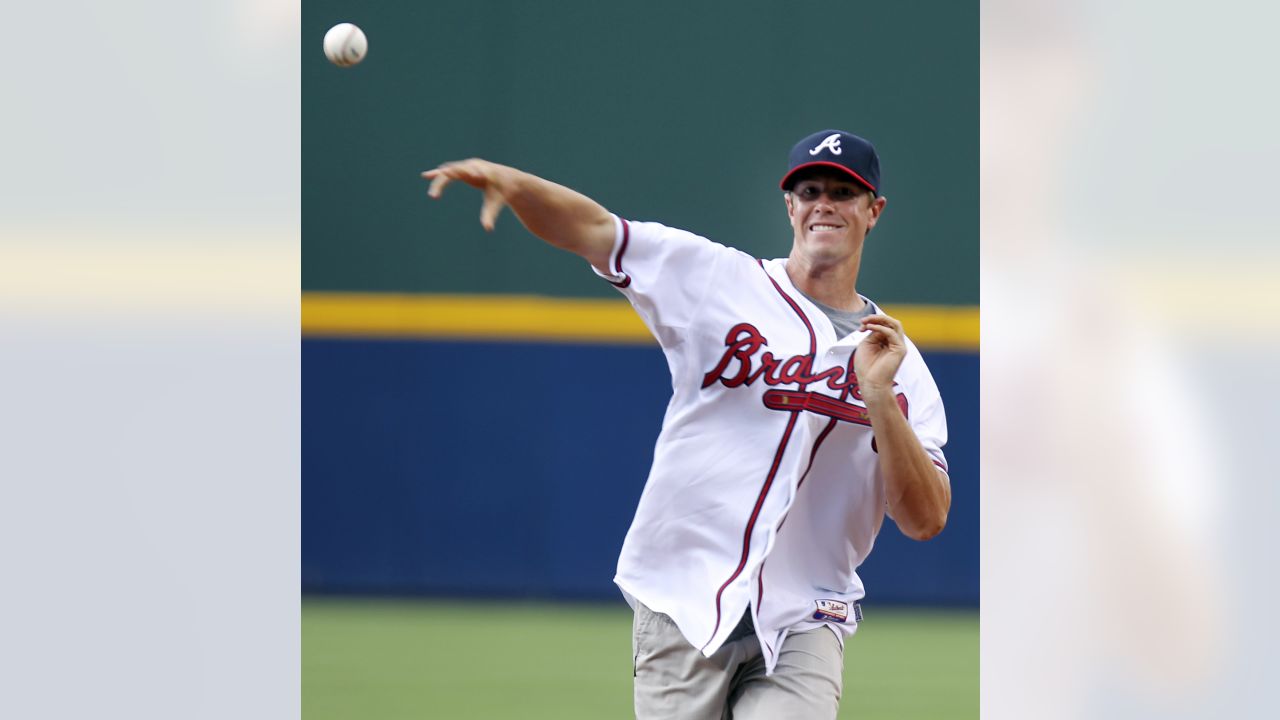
674,680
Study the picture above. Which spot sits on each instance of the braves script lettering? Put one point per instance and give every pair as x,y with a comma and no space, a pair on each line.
740,366
743,363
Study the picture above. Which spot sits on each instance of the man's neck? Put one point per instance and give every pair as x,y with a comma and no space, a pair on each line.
831,285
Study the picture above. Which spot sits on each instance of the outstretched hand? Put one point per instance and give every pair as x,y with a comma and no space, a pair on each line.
490,178
879,356
558,215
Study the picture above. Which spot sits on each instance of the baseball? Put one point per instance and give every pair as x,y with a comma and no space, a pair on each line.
345,45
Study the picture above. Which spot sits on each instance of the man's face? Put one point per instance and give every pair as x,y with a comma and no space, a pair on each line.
831,215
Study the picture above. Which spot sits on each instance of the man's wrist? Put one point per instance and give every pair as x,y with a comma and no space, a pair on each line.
876,397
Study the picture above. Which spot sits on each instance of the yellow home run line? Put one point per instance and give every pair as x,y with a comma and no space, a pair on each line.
531,317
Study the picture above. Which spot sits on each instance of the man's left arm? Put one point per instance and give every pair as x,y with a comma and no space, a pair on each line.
918,493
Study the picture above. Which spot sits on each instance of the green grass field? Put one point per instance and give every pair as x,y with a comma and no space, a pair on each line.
396,660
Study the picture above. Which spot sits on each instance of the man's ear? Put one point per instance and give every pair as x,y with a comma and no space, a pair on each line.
877,207
790,210
879,204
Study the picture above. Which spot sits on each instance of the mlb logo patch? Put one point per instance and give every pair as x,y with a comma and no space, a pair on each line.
832,611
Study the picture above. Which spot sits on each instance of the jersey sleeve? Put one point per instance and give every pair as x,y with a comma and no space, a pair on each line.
663,271
924,408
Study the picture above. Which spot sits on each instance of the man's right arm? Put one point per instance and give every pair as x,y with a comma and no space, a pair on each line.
560,216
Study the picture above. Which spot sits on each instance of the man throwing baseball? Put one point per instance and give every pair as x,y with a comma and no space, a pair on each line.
801,415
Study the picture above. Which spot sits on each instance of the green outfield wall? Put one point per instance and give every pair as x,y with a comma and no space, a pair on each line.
679,112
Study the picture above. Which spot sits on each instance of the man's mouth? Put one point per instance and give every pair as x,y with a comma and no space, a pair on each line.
823,227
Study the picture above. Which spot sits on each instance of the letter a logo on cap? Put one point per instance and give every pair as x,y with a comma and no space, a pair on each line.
831,142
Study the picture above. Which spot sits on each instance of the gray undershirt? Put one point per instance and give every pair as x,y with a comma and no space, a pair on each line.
845,321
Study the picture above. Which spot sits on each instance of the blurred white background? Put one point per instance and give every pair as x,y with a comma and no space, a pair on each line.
1128,289
149,280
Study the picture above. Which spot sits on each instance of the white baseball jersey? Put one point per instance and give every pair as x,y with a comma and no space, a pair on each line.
765,490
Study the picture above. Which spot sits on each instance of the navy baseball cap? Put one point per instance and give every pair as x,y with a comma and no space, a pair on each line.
839,150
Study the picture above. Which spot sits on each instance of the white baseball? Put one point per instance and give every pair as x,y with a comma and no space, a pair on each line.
345,45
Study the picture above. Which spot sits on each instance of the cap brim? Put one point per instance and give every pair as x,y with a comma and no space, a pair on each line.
787,179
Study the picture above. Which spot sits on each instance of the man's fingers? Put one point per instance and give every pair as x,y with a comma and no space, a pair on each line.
882,334
875,329
885,327
883,319
475,173
438,181
472,172
493,202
